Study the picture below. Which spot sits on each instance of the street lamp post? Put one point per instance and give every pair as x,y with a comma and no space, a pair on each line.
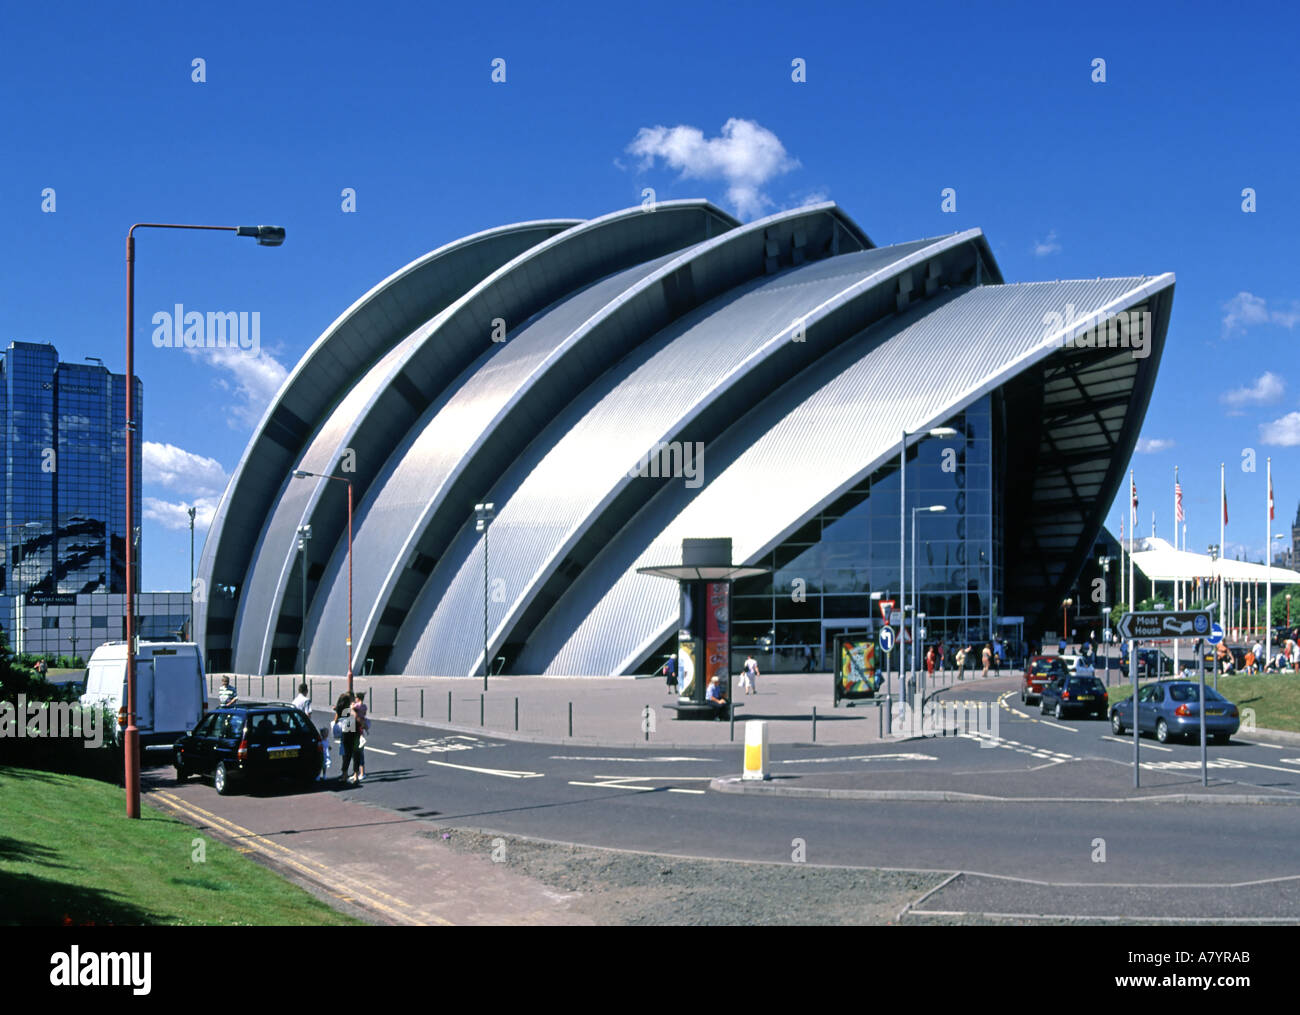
266,236
483,515
303,474
918,672
304,534
940,431
1065,624
191,512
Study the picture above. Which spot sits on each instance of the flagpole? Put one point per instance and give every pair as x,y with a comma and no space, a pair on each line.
1132,644
1268,586
1177,644
1223,549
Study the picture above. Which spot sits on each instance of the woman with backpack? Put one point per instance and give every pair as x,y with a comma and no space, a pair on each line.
345,732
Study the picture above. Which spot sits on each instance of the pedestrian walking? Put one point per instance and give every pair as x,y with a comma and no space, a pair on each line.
986,657
749,675
670,673
226,695
303,700
362,725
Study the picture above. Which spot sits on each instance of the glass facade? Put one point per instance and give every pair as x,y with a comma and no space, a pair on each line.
823,577
64,484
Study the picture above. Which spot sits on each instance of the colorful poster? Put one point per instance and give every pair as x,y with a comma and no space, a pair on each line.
717,636
856,675
686,666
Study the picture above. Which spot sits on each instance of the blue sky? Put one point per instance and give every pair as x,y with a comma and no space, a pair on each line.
1068,177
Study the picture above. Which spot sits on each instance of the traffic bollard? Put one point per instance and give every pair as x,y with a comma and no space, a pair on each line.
421,702
480,709
394,702
814,731
277,688
516,715
570,718
755,750
449,706
329,690
645,721
264,686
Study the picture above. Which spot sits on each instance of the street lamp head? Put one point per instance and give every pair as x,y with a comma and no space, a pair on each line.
937,508
267,236
300,474
942,431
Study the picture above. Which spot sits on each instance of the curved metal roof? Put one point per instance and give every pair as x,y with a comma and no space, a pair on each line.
423,369
611,617
739,342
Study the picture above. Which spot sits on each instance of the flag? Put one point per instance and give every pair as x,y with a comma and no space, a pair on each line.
1178,502
1225,505
1270,495
1134,520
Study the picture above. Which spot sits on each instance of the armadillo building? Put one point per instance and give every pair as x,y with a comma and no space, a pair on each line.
613,386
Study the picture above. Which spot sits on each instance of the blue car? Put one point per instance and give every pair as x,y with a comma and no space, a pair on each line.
1172,708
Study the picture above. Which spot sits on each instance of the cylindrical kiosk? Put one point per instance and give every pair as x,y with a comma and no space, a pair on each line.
704,625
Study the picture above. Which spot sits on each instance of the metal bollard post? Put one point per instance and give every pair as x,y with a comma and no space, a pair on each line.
421,702
264,686
880,722
731,722
449,706
394,702
570,718
480,709
814,724
516,715
277,688
645,721
329,690
370,696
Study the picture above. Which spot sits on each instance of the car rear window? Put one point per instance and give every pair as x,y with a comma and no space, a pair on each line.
275,725
1086,685
1190,692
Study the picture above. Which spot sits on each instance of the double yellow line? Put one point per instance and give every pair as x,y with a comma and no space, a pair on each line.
248,841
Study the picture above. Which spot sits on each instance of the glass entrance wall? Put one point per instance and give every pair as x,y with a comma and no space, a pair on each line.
823,577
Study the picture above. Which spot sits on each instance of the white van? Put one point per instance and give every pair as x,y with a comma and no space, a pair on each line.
170,692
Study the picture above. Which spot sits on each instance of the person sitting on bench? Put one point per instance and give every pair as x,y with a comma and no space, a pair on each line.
714,695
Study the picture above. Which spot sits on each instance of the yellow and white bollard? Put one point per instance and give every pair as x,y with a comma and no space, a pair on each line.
755,750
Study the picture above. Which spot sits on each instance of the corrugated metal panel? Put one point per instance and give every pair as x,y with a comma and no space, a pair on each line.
590,448
828,428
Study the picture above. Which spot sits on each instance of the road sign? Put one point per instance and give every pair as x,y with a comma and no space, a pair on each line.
1159,624
886,639
1216,634
886,607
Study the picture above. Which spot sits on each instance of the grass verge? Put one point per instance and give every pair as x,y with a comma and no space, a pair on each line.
69,855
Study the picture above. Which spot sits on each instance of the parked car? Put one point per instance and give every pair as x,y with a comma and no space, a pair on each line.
1172,708
1040,671
1067,694
170,694
251,743
1077,665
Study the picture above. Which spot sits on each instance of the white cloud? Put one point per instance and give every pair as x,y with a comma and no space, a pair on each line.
174,515
1267,389
1153,445
1048,246
745,156
1284,431
1246,310
181,470
253,382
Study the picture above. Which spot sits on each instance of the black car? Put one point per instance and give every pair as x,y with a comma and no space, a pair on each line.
1074,694
251,743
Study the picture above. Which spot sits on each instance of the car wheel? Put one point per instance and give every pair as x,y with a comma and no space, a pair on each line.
182,773
1042,706
1116,725
1162,731
1060,712
220,780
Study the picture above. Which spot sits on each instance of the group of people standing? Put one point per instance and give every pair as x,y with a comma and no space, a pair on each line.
349,731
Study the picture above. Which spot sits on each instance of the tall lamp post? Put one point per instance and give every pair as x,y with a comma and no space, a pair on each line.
304,474
939,431
191,512
918,672
266,236
304,534
483,514
1065,623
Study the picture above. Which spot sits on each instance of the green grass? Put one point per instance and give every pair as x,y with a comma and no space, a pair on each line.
69,855
1275,697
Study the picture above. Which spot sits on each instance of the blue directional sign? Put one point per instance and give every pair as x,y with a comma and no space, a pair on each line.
886,639
1216,634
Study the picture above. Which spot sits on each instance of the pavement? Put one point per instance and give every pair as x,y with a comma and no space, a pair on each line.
603,711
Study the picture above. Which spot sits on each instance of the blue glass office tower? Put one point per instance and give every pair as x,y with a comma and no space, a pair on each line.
64,475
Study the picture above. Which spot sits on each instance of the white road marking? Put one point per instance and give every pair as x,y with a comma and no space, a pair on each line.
631,782
1254,743
570,757
1290,761
858,757
380,750
1274,768
1129,741
441,745
505,773
1048,722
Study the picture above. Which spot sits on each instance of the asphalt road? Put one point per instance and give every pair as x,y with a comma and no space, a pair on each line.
1138,860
